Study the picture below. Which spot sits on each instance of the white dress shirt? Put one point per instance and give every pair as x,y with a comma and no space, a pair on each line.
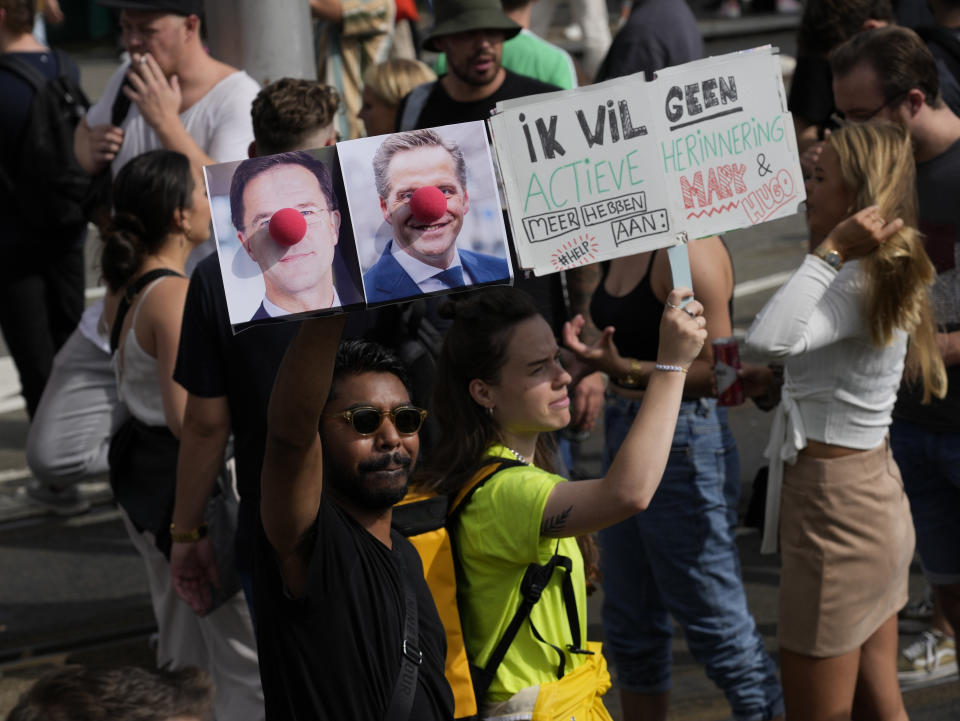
422,274
275,311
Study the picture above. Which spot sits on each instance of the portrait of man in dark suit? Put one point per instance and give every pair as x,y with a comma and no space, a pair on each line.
297,276
423,256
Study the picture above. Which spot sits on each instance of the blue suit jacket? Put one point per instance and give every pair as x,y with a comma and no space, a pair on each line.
387,280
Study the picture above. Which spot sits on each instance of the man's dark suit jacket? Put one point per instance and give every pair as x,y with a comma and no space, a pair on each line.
387,280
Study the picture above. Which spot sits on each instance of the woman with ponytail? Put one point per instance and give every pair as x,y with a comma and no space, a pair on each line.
161,215
852,320
500,391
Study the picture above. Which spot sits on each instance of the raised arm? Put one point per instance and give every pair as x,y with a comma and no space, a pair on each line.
585,506
158,100
712,277
810,310
292,477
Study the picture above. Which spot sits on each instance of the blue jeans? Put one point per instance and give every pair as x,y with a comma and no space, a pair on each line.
679,558
930,466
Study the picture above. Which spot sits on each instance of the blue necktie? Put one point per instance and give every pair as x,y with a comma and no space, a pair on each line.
451,277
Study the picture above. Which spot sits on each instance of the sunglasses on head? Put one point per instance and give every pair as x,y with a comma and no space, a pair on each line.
366,419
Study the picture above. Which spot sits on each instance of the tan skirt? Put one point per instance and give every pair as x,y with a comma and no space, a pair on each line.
846,539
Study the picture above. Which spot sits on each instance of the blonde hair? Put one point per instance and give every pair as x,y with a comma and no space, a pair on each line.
393,79
876,159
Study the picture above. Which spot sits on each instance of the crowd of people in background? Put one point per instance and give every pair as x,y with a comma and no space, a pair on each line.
282,583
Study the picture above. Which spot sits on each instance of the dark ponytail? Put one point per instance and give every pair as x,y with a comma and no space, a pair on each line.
146,194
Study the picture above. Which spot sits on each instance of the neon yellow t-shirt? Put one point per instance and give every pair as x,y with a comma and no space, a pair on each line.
497,537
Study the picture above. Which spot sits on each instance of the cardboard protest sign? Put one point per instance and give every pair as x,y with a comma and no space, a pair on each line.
628,166
727,143
283,235
581,175
426,212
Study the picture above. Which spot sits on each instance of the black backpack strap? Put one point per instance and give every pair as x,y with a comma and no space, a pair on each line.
25,70
534,581
570,606
120,107
416,101
129,293
411,657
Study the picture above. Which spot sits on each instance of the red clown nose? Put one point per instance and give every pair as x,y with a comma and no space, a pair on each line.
288,226
428,204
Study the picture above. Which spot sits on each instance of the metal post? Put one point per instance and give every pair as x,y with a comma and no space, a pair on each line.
269,40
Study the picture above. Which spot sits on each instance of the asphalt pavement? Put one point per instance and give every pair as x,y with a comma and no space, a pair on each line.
74,589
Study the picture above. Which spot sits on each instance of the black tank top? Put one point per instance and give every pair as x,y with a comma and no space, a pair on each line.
636,316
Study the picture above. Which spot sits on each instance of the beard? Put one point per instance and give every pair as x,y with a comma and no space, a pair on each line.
364,489
465,72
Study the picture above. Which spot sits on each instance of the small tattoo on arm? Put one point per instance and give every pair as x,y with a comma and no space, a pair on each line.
553,525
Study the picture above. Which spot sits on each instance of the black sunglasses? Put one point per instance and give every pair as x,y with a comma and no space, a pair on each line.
367,419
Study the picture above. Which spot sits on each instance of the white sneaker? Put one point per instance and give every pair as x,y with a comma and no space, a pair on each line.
931,656
916,615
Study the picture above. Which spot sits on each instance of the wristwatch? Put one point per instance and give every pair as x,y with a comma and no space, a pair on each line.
829,256
188,536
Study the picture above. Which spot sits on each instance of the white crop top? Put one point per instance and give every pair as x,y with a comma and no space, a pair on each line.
838,387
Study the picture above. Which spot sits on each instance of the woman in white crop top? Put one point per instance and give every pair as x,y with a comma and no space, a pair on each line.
161,215
848,323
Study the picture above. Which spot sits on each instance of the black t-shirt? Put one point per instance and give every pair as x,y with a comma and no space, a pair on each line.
938,182
335,653
212,362
441,109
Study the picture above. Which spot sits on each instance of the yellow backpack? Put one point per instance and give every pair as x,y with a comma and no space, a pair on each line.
424,518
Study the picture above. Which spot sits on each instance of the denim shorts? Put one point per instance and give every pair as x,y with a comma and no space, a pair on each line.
930,466
678,558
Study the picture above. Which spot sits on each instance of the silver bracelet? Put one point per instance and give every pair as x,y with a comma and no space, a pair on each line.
664,367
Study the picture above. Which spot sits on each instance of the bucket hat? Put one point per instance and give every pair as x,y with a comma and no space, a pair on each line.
175,7
458,16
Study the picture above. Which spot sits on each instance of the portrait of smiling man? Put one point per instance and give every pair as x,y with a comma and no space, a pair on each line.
423,255
297,263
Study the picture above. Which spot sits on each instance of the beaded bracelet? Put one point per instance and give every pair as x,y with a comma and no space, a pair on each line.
664,367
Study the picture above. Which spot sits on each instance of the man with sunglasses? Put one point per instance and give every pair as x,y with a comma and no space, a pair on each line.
890,74
346,626
297,277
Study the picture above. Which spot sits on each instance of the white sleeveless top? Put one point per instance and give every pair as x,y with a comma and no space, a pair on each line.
138,374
